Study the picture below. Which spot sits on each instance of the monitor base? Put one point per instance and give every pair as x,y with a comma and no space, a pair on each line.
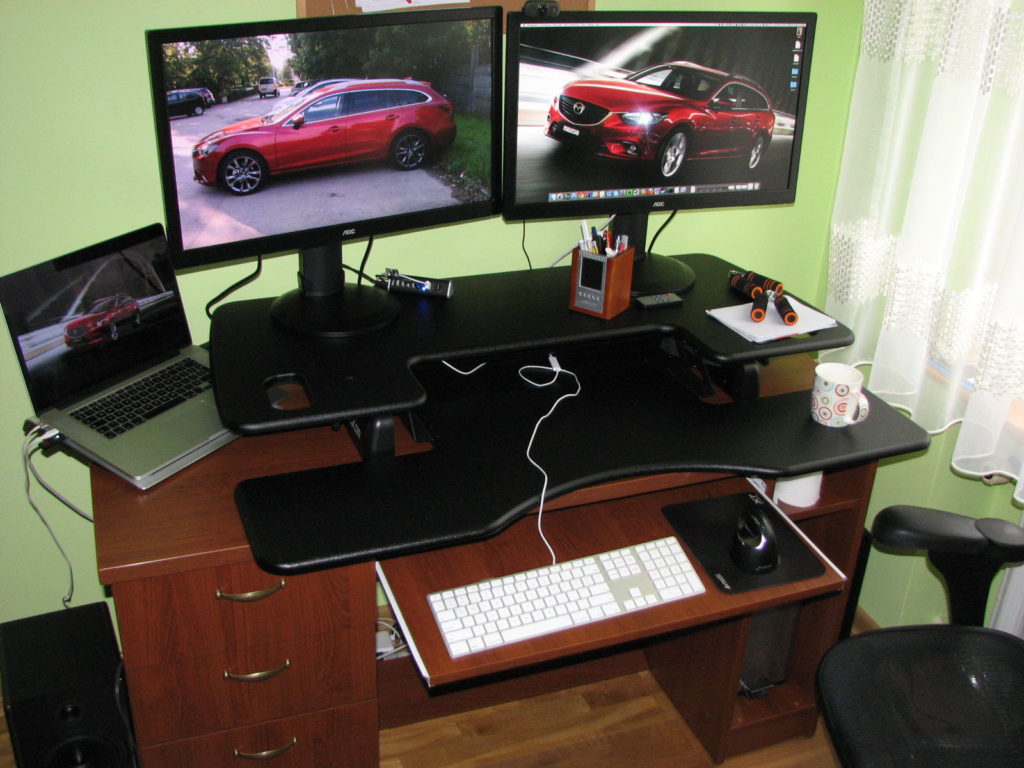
352,310
655,274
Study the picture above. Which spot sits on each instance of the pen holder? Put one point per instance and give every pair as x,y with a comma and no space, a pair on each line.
600,283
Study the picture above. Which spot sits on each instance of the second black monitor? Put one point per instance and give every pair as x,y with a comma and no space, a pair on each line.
629,113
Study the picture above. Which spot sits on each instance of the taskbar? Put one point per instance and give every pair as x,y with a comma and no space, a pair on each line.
664,191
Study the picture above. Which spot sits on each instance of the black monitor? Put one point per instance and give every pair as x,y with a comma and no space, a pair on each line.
303,133
629,113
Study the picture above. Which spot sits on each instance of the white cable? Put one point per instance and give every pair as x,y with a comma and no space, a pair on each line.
53,491
557,370
397,641
602,228
464,373
31,444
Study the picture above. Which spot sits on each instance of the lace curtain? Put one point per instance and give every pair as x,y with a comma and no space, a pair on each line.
926,259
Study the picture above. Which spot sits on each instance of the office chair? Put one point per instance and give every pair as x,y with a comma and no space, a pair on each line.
933,696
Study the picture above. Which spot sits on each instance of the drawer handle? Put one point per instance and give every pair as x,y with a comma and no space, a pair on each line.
268,754
257,677
251,597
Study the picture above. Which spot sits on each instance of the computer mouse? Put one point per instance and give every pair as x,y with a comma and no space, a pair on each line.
754,547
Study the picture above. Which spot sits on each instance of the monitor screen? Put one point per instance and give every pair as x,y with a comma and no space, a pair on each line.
302,133
629,113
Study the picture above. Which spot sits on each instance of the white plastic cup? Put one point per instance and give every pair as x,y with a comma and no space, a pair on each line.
801,491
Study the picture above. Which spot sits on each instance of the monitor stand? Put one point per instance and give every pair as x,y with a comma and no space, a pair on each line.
652,273
325,306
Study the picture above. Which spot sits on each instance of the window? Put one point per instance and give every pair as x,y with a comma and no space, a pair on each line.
743,98
402,98
323,109
358,102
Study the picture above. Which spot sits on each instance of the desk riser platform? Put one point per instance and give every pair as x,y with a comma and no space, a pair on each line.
488,315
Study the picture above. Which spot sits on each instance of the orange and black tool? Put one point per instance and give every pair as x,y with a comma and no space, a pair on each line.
766,283
739,282
785,310
759,309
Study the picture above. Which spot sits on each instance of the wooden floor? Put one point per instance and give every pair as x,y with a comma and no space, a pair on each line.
626,722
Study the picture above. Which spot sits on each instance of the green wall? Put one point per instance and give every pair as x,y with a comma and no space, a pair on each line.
79,165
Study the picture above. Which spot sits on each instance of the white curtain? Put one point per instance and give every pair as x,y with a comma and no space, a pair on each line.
926,259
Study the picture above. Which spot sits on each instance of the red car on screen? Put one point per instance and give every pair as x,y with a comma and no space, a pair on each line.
665,115
101,321
355,121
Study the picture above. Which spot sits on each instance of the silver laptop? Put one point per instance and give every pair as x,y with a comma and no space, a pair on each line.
108,360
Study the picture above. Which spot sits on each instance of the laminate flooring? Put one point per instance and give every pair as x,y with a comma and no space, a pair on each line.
625,722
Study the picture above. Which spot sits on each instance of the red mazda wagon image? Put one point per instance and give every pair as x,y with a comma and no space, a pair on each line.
665,115
404,121
101,321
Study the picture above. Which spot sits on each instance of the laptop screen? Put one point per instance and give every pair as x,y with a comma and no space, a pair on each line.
84,321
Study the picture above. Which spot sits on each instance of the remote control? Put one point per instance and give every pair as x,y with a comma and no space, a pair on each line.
659,300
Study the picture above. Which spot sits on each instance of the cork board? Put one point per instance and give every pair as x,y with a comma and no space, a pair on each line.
333,7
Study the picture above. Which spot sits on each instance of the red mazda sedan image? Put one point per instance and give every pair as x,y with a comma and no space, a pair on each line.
100,322
403,121
665,115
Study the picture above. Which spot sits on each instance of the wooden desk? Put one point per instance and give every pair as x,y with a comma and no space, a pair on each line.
174,558
176,555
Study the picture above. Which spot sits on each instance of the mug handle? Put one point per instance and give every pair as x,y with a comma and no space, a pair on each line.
860,412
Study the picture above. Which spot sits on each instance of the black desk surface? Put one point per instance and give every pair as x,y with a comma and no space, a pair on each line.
630,419
368,375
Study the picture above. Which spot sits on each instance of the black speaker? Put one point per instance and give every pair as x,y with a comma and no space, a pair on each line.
63,690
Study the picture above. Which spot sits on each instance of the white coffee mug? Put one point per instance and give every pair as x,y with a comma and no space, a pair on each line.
837,399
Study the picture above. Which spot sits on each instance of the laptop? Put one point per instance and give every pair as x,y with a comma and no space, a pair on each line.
96,332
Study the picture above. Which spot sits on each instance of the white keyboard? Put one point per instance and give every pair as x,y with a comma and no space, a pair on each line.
517,607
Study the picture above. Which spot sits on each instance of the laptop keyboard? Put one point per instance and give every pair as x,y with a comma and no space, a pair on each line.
140,401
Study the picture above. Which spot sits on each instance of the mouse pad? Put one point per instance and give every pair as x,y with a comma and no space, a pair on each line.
708,526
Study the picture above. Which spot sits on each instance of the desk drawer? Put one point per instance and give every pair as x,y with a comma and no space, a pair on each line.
344,737
218,610
195,696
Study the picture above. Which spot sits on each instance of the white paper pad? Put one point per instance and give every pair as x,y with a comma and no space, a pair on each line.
771,328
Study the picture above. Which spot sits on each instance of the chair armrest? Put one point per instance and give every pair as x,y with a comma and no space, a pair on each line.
934,530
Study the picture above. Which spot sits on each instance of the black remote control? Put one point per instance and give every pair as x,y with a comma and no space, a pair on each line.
659,300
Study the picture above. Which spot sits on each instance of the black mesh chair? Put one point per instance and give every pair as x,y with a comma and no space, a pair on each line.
933,696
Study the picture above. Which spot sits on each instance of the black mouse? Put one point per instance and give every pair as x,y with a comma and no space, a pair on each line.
753,545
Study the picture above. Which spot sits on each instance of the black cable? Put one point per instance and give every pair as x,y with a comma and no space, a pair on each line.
359,272
667,221
259,270
234,287
366,257
522,244
121,702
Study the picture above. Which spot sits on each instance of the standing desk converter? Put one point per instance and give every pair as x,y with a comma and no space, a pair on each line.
254,631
